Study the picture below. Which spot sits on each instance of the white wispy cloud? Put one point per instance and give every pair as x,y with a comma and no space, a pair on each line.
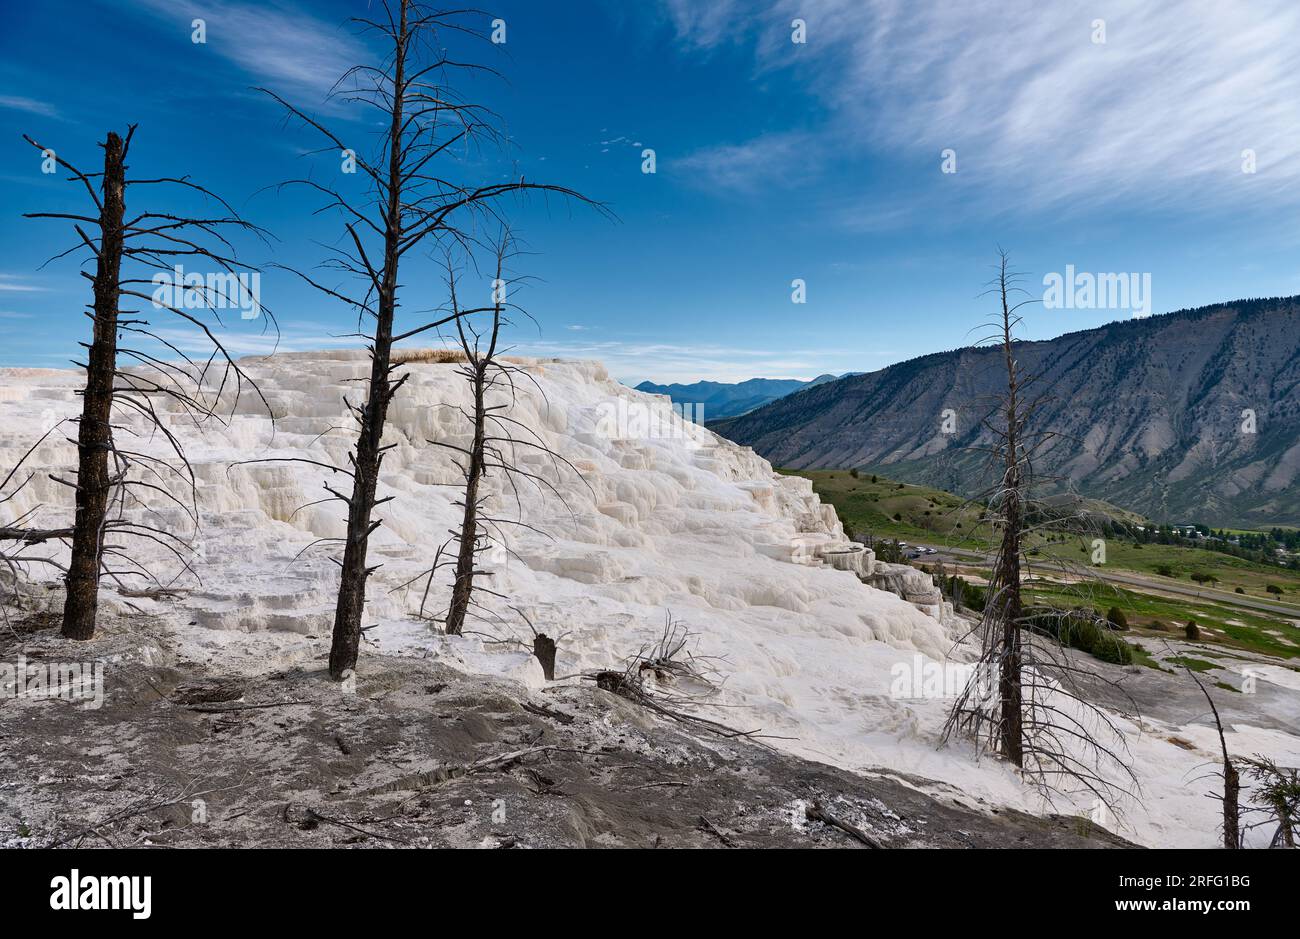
30,105
633,362
747,166
1158,114
704,24
281,45
14,283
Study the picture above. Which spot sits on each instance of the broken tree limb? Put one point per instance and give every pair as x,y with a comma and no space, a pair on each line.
34,535
318,817
815,812
209,709
706,825
542,710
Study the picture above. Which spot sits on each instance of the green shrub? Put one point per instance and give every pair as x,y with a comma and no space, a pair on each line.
1115,616
1112,649
964,595
1081,630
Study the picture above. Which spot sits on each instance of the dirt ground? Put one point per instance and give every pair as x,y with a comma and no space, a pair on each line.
182,755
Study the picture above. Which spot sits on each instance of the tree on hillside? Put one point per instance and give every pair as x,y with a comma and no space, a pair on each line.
496,439
113,476
408,204
1025,700
483,372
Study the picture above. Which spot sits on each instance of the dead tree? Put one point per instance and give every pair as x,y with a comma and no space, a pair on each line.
496,439
409,204
482,371
110,474
1004,610
1026,700
1231,798
1276,793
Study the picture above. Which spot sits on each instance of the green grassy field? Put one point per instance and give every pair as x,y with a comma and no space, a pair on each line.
1155,617
1184,562
885,508
890,509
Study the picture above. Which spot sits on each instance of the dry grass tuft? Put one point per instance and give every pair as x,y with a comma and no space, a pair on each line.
428,356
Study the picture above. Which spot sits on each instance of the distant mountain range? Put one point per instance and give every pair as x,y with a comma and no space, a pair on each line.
1188,417
721,400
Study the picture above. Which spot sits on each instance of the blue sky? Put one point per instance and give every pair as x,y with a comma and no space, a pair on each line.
820,161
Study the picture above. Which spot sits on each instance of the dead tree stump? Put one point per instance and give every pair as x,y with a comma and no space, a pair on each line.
544,649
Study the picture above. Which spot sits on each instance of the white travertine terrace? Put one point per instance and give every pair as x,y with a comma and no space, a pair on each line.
655,515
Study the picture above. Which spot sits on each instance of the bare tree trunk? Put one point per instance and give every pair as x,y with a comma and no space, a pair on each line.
94,435
1231,798
460,592
369,456
1231,777
1009,677
369,449
544,650
1010,662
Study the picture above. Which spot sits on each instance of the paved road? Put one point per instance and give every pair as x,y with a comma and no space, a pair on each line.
1138,580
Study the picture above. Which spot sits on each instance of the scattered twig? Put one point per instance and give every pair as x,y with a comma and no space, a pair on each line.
317,816
706,825
209,709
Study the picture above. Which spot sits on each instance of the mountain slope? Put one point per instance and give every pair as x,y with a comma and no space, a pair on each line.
720,400
1155,415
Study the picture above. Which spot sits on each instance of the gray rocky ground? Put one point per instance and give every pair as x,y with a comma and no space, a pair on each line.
184,755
